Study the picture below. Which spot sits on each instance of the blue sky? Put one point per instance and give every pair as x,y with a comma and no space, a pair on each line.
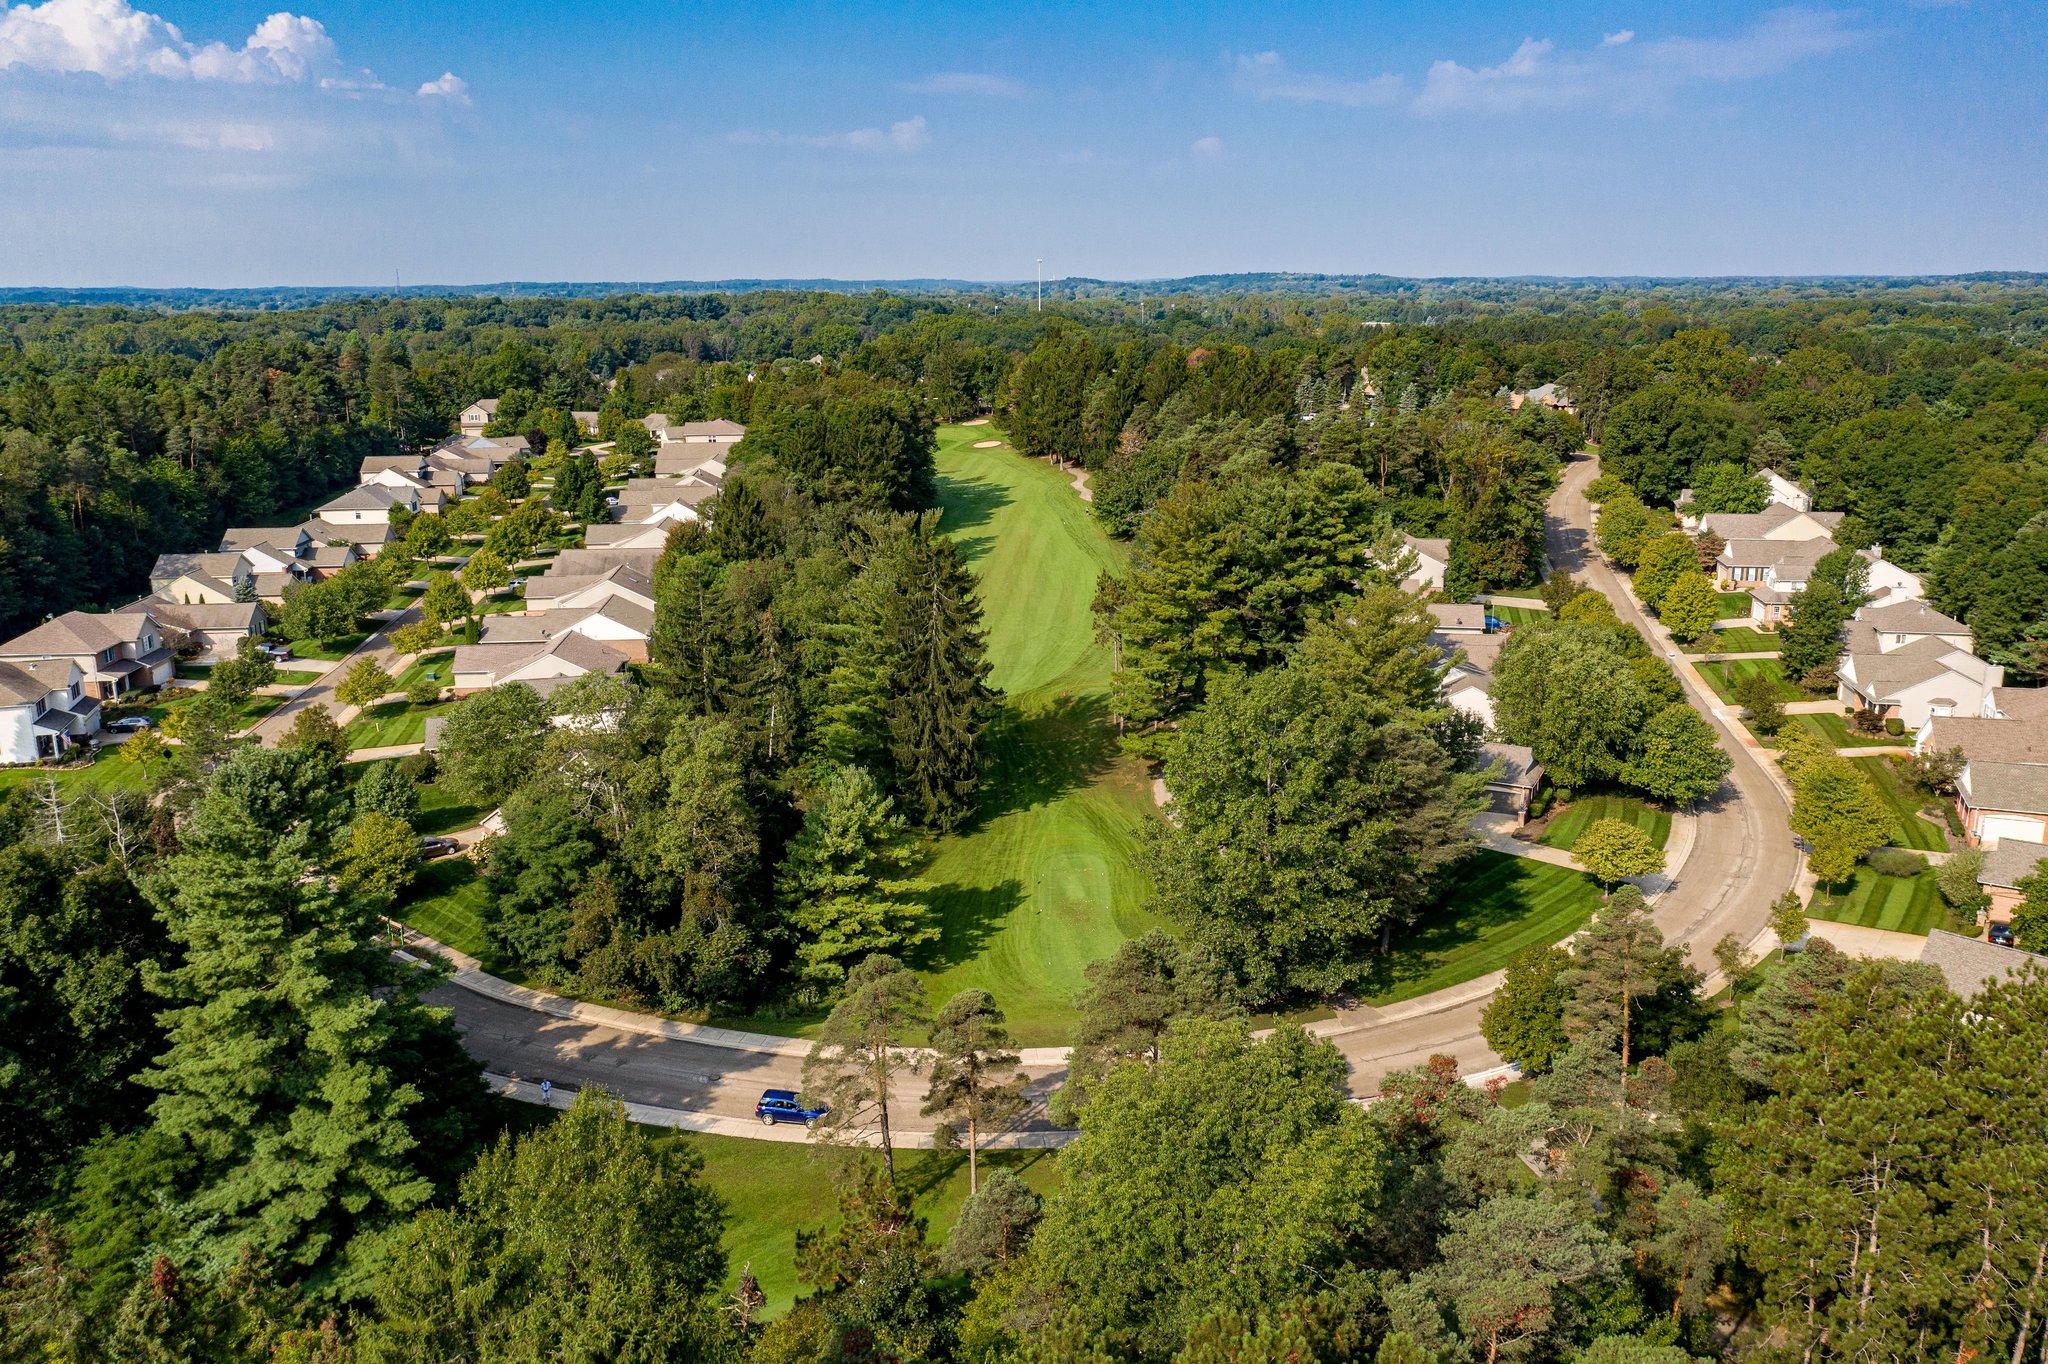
173,142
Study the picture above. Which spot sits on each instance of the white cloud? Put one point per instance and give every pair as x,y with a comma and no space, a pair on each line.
446,86
1207,146
903,137
966,83
1628,74
1266,76
112,38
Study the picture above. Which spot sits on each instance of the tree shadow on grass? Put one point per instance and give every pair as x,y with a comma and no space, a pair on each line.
969,503
1487,895
1037,756
969,918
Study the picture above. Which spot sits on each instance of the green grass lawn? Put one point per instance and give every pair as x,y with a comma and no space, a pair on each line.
1498,905
1743,640
1733,604
1722,676
1909,828
108,771
296,677
1903,904
1834,731
437,661
1519,615
391,722
1045,879
446,903
246,714
442,811
194,670
1566,825
330,649
772,1190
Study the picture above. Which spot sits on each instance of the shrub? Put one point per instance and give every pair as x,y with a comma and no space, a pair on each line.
1605,487
1866,721
1894,726
1895,862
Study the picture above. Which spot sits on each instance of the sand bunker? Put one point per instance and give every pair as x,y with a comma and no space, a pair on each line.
975,421
986,444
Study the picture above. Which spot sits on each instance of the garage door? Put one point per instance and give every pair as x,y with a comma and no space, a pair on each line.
1996,827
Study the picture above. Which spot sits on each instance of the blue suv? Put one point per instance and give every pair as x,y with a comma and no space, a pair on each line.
782,1105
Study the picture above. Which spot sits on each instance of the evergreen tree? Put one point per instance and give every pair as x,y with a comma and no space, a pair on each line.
1615,964
974,1074
288,1026
860,1048
844,883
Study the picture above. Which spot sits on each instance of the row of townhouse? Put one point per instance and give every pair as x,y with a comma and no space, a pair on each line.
593,610
54,678
1771,555
2002,792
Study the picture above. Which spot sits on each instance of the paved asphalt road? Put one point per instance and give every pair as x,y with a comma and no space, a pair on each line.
1742,859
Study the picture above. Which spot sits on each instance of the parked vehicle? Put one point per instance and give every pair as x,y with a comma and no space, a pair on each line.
432,847
129,724
2001,934
278,652
783,1105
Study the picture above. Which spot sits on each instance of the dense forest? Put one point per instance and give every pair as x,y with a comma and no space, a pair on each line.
238,1131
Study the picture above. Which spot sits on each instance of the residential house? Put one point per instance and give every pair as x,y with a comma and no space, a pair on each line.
1885,583
412,466
362,515
657,422
1552,396
44,709
1774,522
715,432
115,654
2005,865
1458,620
428,498
686,461
2001,800
1784,492
573,563
556,590
628,535
1909,662
1513,778
542,664
1967,965
478,415
663,500
623,624
220,577
586,422
1772,571
2002,792
212,631
1467,684
1432,557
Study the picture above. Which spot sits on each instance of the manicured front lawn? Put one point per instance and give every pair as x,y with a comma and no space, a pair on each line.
196,671
391,722
1733,604
1723,676
1566,825
108,771
446,902
436,661
341,646
1903,904
442,812
1498,905
1519,615
1909,828
297,677
1741,640
1834,731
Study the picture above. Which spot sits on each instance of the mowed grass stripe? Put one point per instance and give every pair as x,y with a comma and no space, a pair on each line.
1566,826
1909,830
1722,677
1900,904
1498,905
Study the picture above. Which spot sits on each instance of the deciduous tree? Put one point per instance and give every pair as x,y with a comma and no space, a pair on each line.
862,1047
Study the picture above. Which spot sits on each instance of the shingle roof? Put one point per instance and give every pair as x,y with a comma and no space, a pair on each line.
1968,964
716,427
2012,859
1983,740
280,538
207,616
1755,551
1439,550
368,497
1758,525
74,632
2021,703
572,563
497,660
624,533
2019,787
489,405
1911,618
1518,765
19,687
1458,617
220,565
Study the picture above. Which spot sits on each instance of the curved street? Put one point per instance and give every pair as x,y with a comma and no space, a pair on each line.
1742,859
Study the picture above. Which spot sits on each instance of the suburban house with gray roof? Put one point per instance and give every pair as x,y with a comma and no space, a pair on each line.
624,624
478,415
717,431
542,664
1513,778
1909,662
1432,557
212,632
1967,965
44,709
217,577
557,591
2005,866
114,654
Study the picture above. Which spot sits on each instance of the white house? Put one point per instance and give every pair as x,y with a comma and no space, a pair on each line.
202,577
214,630
586,422
628,535
1432,557
623,624
541,664
716,432
1909,662
44,709
1468,684
2002,792
1887,583
558,591
478,415
1784,492
684,461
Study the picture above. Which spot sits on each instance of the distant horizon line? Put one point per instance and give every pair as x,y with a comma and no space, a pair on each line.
833,283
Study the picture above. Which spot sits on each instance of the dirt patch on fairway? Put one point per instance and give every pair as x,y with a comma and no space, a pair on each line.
987,444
